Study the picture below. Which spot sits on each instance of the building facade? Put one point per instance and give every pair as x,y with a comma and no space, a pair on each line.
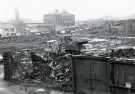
60,18
126,26
7,30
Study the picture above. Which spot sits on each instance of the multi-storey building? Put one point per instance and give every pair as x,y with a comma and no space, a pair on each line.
126,26
60,18
7,30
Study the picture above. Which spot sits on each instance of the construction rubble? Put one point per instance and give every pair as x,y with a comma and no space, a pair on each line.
30,67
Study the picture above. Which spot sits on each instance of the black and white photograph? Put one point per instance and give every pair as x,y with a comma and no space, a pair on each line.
67,46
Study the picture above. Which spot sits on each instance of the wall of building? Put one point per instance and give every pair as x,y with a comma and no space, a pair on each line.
7,30
60,18
128,25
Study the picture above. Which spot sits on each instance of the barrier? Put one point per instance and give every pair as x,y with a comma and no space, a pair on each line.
91,75
122,76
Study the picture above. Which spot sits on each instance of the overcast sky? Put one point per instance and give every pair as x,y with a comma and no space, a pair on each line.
83,9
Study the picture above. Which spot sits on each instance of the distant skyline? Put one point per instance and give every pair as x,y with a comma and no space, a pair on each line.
82,9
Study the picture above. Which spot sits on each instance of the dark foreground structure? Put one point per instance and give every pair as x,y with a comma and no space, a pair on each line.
87,75
91,75
99,75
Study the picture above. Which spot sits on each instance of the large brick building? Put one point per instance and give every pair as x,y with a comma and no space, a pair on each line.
59,18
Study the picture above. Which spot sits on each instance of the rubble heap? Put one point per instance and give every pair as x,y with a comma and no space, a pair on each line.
55,70
128,52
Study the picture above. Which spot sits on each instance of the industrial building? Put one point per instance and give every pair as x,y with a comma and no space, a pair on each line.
59,18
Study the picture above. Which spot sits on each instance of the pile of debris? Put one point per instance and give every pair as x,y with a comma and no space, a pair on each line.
123,52
62,72
55,70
